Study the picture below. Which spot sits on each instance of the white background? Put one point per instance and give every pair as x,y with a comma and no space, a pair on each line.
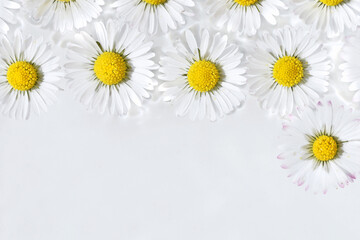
72,174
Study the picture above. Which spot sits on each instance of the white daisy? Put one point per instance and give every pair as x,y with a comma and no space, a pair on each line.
149,15
330,15
65,14
351,65
203,77
289,68
28,76
6,14
244,16
111,69
322,148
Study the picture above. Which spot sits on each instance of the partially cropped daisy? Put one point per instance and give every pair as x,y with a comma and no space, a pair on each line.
351,65
332,16
28,76
151,15
289,68
203,77
321,149
7,15
244,16
111,69
64,14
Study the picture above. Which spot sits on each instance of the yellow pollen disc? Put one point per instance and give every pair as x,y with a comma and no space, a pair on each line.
64,0
246,2
331,2
22,75
155,2
203,76
110,68
288,71
325,148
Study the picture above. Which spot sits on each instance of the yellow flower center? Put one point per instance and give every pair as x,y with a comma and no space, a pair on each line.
331,2
22,75
110,68
246,2
325,148
288,71
203,76
155,2
64,0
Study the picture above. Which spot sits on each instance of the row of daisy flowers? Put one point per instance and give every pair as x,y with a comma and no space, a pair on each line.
150,16
244,16
111,67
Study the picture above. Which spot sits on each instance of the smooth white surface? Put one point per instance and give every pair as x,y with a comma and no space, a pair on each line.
71,174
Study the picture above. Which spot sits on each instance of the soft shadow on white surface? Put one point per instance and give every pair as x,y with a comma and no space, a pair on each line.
76,175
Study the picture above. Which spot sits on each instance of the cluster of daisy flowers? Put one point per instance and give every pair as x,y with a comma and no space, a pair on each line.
112,67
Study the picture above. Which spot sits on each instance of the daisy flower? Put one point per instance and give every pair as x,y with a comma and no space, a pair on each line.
149,15
6,14
333,16
28,76
288,69
203,76
351,65
65,14
322,148
112,69
244,16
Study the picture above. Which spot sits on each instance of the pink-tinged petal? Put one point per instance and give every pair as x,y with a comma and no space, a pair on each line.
289,117
352,176
280,156
342,185
300,182
284,126
319,103
284,166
